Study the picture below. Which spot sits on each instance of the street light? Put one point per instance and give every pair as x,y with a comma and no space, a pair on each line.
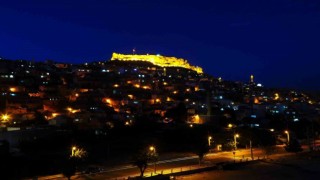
288,135
152,148
73,150
153,151
77,152
235,141
209,140
5,117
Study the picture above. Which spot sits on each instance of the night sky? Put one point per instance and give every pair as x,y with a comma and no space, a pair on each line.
276,40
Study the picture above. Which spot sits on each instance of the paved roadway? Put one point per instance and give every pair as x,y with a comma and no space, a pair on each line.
168,166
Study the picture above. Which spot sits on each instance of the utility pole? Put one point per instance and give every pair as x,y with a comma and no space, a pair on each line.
251,150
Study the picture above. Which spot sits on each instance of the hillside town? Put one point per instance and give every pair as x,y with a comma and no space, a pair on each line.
53,101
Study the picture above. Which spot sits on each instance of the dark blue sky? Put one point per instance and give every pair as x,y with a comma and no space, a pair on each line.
276,40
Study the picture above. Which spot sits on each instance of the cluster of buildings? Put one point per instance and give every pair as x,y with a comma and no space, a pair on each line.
116,92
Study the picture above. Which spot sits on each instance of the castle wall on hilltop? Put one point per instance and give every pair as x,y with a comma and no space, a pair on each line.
158,60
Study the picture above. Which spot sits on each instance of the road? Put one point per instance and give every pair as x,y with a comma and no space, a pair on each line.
167,166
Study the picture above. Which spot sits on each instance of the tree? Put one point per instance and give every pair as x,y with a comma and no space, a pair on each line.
141,161
293,146
201,149
69,168
201,153
269,150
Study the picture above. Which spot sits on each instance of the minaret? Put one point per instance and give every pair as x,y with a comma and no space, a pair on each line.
251,79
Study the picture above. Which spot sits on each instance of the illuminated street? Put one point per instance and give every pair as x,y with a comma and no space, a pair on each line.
175,165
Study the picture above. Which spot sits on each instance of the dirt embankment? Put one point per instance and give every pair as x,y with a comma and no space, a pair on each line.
296,166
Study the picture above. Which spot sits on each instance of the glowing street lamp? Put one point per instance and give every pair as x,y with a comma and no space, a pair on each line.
153,151
73,150
229,125
288,135
152,148
5,117
235,141
77,152
209,140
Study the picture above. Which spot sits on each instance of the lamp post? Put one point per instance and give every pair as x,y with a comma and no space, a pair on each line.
73,150
153,151
235,141
288,136
234,156
209,140
77,152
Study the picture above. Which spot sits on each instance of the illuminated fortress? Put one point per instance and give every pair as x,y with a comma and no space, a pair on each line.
158,60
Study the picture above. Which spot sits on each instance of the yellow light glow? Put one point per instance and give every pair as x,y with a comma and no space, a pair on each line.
55,115
158,100
158,60
13,89
130,96
137,85
229,125
276,96
236,135
151,148
108,101
146,87
116,85
73,110
77,152
286,132
175,92
77,95
5,117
